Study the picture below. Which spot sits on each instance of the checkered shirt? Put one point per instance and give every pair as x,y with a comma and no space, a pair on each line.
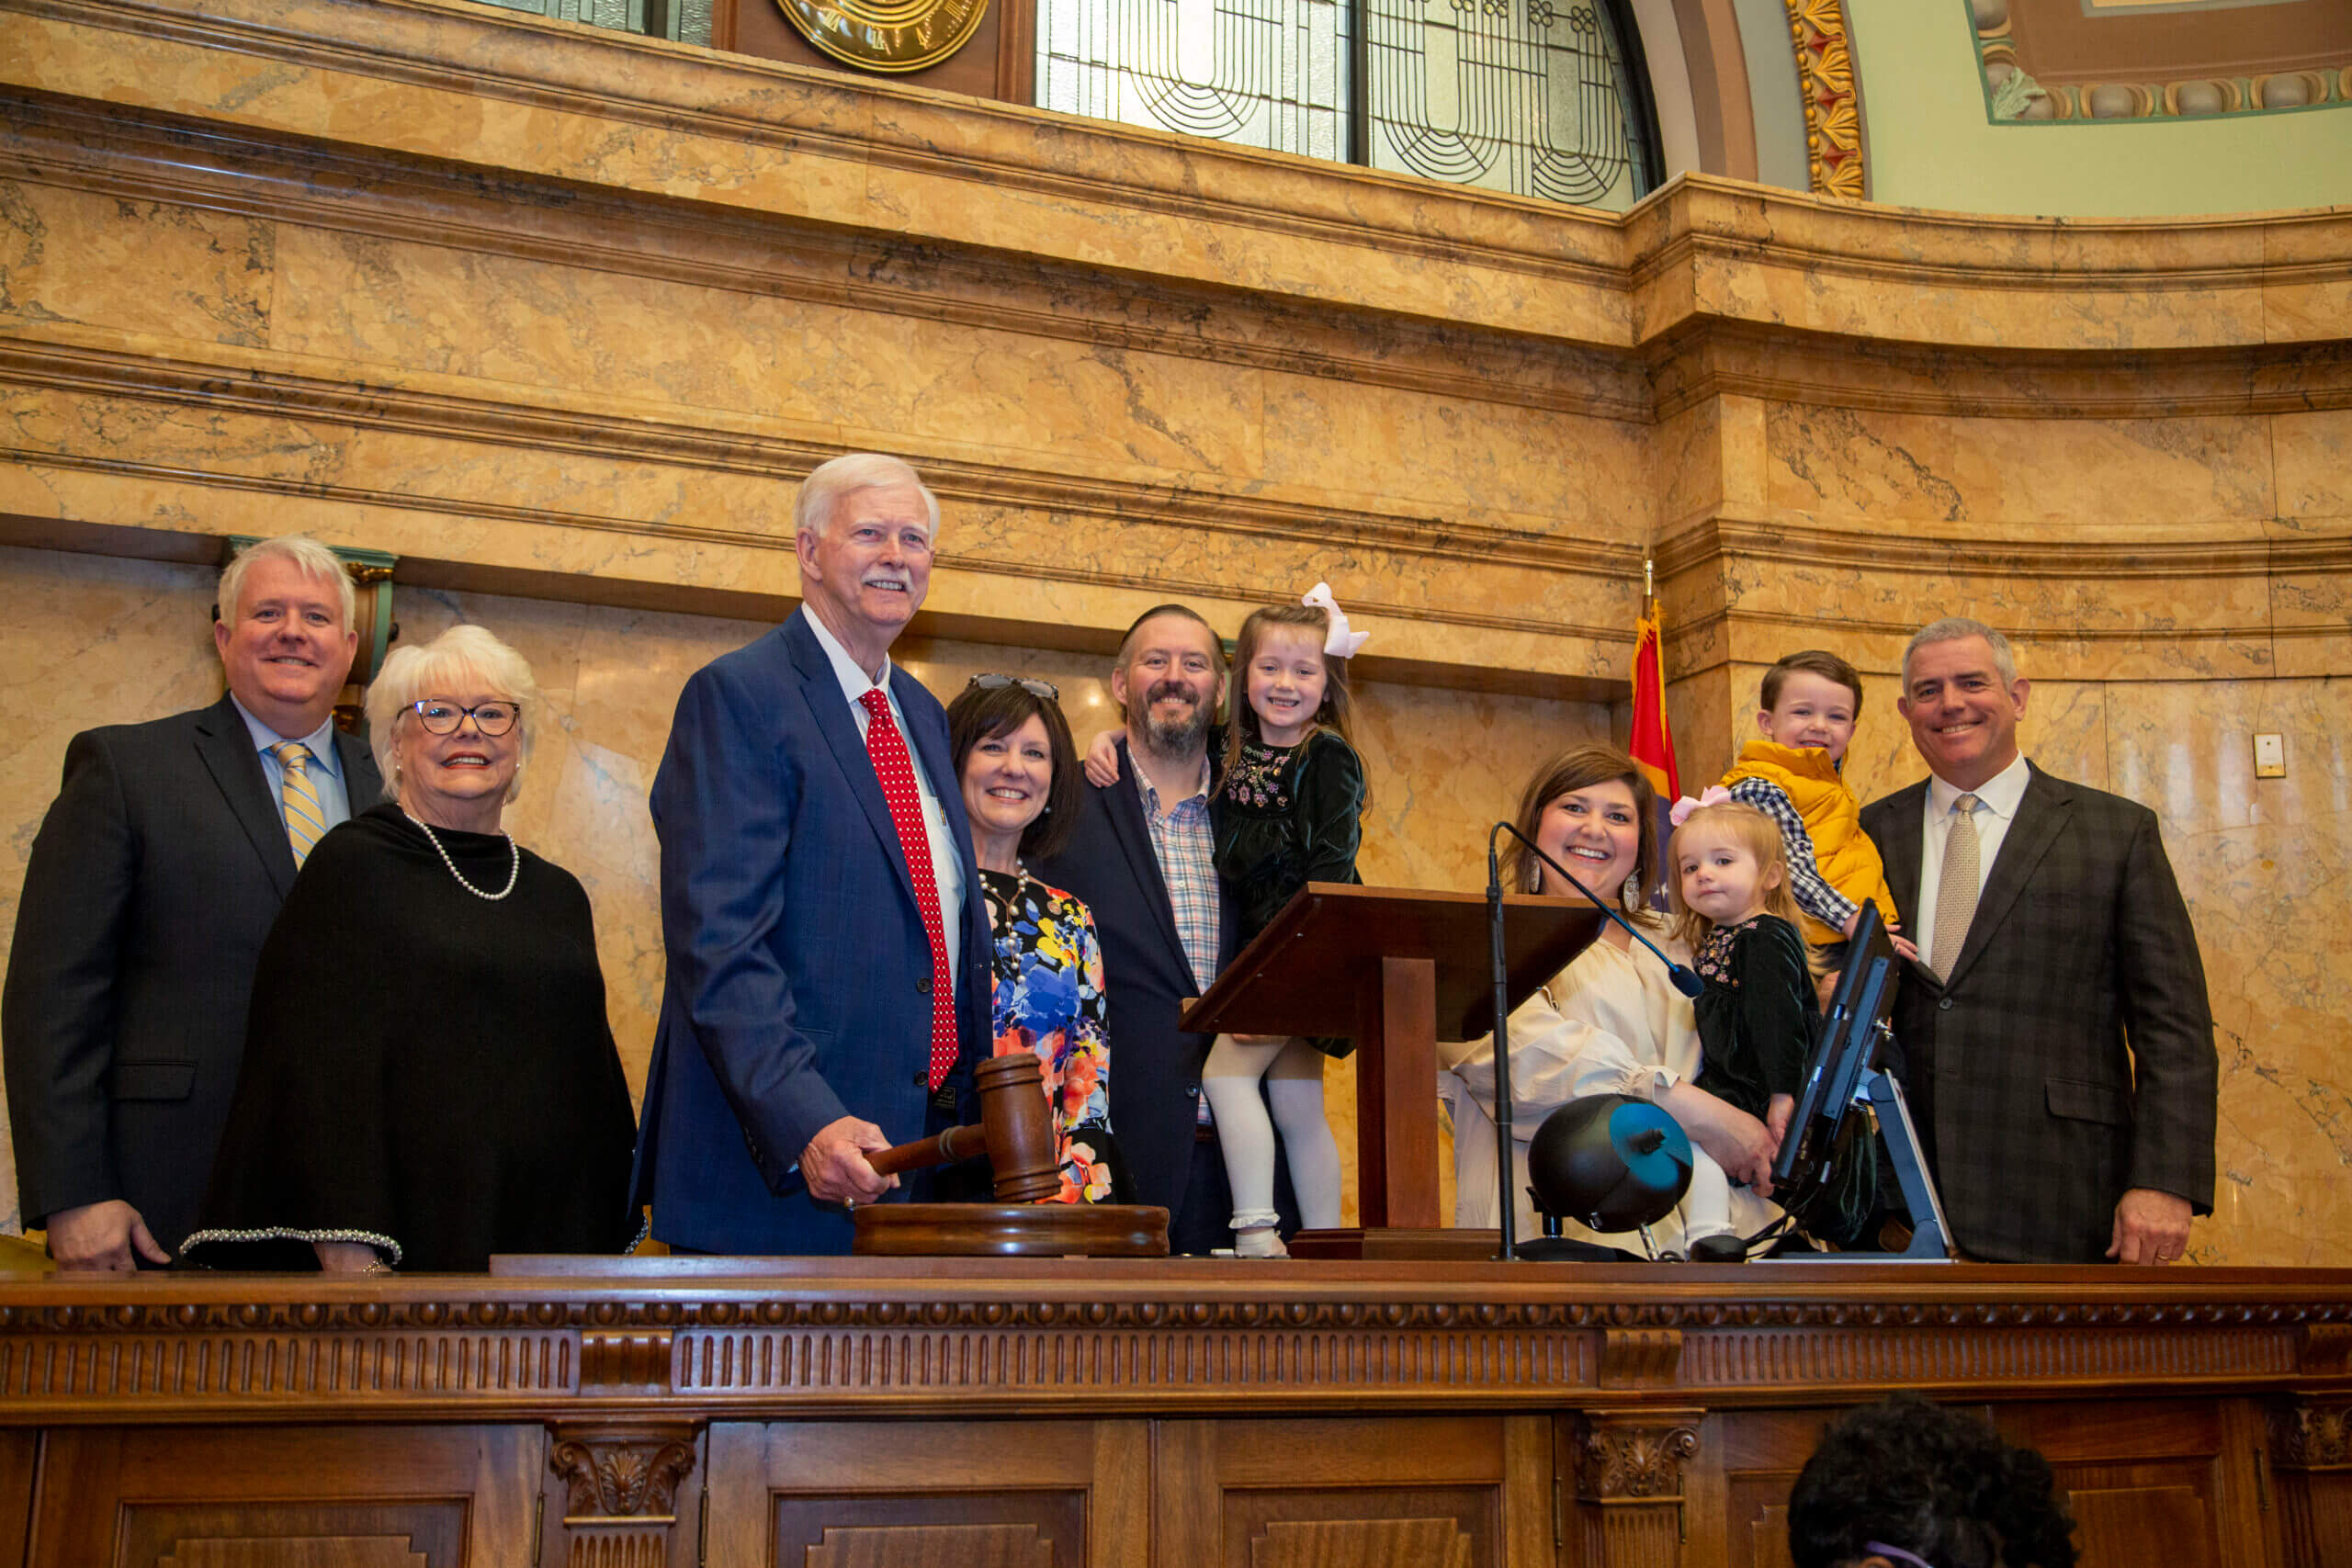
1186,849
1185,846
1814,893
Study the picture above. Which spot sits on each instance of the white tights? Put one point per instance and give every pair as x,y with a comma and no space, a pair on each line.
1293,1074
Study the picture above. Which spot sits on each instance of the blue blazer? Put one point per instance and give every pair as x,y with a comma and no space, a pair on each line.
799,972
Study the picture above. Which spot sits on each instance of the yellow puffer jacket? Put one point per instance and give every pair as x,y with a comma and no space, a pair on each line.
1843,852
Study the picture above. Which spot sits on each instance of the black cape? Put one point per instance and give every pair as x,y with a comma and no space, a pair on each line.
424,1067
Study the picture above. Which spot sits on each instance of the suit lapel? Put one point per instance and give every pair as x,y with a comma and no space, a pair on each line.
362,786
1123,804
1906,813
1903,819
2042,816
226,748
822,689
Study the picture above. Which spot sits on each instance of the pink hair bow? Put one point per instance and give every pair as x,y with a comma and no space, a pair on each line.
1714,794
1340,643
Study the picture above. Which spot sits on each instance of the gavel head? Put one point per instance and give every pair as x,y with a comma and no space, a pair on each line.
1019,1125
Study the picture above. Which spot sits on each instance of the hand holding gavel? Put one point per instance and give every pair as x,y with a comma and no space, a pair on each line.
1015,1131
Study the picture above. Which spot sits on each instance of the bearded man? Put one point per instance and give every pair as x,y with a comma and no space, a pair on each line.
1142,857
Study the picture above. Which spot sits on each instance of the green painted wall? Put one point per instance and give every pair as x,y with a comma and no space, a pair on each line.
1929,143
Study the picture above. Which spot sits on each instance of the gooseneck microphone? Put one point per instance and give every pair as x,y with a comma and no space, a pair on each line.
1686,980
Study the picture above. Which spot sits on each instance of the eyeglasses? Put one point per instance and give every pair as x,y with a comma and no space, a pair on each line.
1044,689
442,719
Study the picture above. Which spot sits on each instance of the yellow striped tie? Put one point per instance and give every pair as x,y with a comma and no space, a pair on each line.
306,819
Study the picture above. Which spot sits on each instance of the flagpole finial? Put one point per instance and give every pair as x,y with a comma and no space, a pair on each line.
1649,587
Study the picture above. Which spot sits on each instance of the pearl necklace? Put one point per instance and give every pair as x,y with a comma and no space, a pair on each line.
513,850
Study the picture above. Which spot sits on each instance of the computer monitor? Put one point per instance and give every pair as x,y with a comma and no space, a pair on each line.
1843,1050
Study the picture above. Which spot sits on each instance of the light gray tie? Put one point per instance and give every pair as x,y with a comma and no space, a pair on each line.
1956,887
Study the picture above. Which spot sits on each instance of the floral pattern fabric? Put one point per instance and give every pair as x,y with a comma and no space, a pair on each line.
1048,1000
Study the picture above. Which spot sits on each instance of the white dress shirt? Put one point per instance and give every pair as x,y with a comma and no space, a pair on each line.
946,866
1996,808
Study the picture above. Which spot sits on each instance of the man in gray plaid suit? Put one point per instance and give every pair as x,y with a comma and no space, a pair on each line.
2058,1043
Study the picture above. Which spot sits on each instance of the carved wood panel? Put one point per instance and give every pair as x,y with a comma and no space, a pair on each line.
297,1552
427,1533
19,1452
2121,1527
145,1498
1243,1493
1363,1543
998,1528
837,1492
934,1546
1367,1524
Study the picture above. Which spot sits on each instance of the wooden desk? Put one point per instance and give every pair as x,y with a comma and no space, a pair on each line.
1174,1412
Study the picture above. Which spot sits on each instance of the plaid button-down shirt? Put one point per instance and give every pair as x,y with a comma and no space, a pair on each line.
1183,843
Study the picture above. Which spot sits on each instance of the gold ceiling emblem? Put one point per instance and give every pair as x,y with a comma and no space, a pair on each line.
886,35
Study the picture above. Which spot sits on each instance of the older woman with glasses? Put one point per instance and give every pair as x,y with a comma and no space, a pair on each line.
429,1077
1019,771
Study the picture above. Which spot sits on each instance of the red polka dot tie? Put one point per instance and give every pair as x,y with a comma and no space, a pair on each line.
888,748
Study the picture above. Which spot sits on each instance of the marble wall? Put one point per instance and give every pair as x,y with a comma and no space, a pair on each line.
557,318
88,640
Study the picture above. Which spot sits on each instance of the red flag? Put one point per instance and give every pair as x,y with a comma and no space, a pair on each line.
1652,744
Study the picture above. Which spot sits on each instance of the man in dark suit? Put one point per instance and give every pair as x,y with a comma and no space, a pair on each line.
829,956
2058,1042
1142,858
156,875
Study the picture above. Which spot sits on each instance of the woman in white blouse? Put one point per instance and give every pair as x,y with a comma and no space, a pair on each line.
1610,1022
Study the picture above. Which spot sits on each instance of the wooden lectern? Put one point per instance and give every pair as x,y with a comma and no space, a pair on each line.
1398,970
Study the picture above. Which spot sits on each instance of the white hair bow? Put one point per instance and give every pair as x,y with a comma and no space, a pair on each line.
1340,643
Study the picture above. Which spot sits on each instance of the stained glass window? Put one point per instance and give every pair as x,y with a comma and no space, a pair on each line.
1520,96
687,21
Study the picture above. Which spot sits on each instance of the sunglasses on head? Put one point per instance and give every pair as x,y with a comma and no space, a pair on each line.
1044,689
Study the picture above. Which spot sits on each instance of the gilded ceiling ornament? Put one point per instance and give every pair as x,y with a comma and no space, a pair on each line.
886,35
1833,114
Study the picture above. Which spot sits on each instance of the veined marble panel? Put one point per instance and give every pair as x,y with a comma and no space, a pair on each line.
1582,479
2012,473
77,257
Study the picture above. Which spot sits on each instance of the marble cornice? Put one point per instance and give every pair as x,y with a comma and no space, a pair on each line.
246,383
1722,217
1727,540
864,121
1710,357
171,158
824,150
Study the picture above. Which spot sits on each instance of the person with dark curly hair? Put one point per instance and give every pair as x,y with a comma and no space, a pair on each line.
1905,1484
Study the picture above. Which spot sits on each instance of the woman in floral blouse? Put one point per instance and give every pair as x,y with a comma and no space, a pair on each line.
1020,779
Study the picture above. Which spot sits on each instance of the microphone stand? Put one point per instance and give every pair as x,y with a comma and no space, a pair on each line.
1686,980
1507,1216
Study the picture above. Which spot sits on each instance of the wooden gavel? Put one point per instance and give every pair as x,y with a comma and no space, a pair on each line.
1015,1131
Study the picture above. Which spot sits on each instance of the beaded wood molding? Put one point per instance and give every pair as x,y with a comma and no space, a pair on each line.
1003,1343
1833,105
